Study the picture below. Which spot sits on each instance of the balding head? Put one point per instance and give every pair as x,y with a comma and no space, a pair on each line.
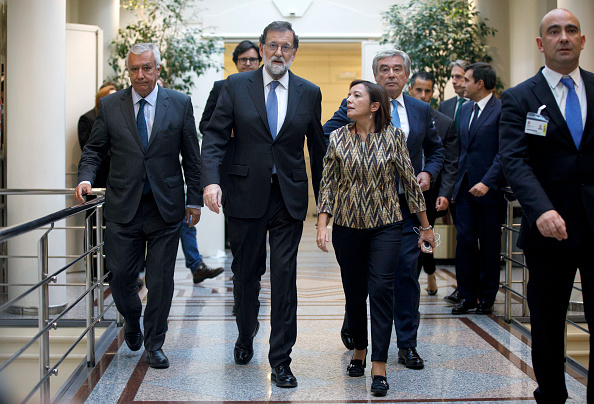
561,40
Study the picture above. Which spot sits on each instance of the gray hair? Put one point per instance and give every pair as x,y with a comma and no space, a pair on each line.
140,48
460,63
388,54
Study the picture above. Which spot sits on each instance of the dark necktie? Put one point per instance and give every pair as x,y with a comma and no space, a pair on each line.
143,132
457,114
474,117
272,108
573,112
395,116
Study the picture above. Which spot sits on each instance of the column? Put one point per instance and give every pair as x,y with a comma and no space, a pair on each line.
35,78
584,11
106,15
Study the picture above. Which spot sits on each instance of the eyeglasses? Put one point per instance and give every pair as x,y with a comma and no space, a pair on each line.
284,48
246,60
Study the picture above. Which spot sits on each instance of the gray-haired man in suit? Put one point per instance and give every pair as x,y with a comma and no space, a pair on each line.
144,128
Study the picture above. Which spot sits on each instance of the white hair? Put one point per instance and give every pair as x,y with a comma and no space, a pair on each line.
140,48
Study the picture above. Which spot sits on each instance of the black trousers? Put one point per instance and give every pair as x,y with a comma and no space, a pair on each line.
551,276
125,248
248,245
368,259
482,223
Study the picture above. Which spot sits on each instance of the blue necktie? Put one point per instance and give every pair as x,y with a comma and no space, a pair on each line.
395,116
474,117
573,111
272,108
143,132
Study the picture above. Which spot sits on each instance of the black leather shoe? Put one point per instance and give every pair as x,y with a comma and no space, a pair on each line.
357,367
203,272
345,335
157,359
283,377
410,358
454,298
133,338
379,385
243,353
484,308
464,307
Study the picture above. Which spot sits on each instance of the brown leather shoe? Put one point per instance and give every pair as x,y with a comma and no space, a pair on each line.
203,272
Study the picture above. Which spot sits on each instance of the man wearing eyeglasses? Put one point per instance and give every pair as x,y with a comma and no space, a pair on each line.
270,111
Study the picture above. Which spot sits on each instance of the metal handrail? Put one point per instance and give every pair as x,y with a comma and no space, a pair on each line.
45,324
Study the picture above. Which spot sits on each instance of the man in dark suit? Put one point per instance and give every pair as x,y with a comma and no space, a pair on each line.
270,111
246,57
451,108
480,206
551,172
391,69
437,198
144,200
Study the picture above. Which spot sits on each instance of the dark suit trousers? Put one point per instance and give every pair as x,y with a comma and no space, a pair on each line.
482,223
368,260
125,249
248,245
407,292
551,277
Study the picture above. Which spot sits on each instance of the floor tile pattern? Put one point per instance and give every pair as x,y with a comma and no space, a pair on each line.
469,359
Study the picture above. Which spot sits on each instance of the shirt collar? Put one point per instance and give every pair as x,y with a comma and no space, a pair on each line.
399,99
284,81
553,77
482,103
151,98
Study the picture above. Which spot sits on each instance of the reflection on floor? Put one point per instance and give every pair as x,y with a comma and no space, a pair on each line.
469,359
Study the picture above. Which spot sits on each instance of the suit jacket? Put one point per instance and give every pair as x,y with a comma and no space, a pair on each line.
85,126
422,141
241,108
211,103
115,132
479,147
446,130
448,107
548,172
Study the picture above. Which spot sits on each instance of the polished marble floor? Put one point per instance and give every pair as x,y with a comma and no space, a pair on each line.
469,359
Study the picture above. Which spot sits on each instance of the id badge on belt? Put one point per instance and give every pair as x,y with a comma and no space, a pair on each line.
536,124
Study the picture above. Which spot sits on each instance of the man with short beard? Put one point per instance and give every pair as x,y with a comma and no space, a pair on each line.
270,111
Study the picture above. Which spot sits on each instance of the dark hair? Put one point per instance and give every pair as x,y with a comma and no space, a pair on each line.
485,72
422,75
110,83
245,46
280,26
377,94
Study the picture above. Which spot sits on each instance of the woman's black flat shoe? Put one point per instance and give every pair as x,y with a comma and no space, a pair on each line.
431,292
357,367
379,386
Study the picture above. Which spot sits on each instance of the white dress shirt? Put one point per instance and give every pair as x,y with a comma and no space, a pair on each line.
282,96
482,104
401,114
560,90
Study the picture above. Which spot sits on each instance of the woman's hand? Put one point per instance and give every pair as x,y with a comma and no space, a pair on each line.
428,236
323,238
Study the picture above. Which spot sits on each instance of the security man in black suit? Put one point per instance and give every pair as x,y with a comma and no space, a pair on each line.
548,160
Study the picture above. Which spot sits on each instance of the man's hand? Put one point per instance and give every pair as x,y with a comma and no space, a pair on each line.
442,203
479,189
424,180
80,191
212,197
551,224
192,216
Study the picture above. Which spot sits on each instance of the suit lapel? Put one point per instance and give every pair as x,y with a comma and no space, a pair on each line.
160,114
413,123
474,128
588,79
128,112
255,87
545,96
295,93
